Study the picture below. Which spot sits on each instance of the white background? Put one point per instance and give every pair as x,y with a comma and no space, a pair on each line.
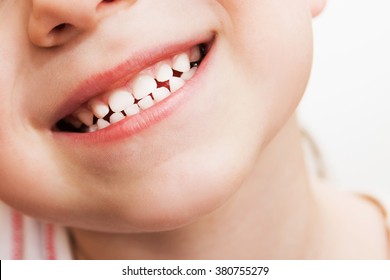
346,108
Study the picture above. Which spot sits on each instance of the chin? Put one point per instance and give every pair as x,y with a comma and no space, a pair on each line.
168,199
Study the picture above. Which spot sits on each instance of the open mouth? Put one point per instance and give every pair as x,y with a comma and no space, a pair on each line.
148,88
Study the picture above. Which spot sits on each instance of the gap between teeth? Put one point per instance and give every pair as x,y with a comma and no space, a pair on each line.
147,89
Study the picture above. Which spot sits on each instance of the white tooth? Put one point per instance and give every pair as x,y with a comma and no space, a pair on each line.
99,108
160,93
195,54
143,85
101,123
146,102
85,116
119,99
92,128
164,72
181,62
116,117
175,83
188,75
132,110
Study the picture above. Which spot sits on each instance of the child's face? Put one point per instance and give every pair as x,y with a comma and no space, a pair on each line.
167,165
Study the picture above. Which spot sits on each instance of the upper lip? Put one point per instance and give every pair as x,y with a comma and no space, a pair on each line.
119,75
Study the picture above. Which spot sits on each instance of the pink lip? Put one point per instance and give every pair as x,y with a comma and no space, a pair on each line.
119,76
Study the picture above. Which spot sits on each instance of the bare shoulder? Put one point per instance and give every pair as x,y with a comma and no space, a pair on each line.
355,226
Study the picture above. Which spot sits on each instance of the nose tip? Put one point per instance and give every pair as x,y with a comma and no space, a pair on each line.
56,22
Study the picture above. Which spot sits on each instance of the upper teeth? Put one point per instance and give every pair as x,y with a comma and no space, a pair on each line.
120,99
181,62
143,85
164,72
148,88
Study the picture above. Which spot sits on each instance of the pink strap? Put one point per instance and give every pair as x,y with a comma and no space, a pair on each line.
17,235
49,242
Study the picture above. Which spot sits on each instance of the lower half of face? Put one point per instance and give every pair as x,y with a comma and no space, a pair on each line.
178,160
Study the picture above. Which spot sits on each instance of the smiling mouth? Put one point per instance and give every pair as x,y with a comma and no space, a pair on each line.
148,88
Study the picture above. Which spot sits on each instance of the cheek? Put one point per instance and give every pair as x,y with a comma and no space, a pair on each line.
26,173
272,43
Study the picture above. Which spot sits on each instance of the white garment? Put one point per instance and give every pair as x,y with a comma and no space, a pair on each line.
23,238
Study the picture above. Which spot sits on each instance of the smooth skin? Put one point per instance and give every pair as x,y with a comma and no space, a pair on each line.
223,177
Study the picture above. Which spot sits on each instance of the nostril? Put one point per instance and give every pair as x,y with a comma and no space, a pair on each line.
54,23
109,4
59,28
107,1
58,35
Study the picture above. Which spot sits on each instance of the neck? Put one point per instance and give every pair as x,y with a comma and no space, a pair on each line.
272,216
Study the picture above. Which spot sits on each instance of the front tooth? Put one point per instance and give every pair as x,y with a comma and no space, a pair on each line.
175,83
143,85
160,94
189,74
99,108
116,117
195,54
119,99
164,72
101,123
146,102
85,116
132,110
181,63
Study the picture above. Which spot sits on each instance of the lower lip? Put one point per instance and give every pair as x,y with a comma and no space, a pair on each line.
142,121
